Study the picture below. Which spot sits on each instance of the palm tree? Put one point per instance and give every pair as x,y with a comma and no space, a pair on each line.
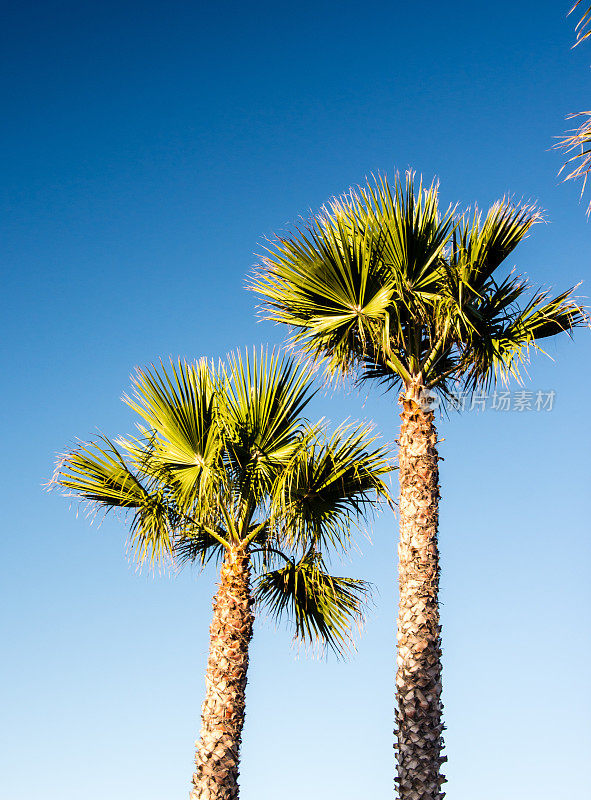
225,468
383,285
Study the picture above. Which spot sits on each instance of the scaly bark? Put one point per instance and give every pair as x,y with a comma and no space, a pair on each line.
419,724
222,717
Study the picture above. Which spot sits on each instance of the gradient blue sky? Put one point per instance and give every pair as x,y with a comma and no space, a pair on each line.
147,149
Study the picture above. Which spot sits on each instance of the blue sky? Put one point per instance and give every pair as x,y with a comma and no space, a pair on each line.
147,150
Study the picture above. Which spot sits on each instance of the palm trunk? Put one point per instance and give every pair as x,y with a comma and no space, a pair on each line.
222,717
418,679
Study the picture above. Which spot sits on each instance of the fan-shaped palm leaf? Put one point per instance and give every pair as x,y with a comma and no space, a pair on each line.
179,408
330,484
97,472
264,395
320,605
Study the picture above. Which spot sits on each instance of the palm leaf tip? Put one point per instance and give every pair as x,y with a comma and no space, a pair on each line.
582,27
578,142
324,608
98,474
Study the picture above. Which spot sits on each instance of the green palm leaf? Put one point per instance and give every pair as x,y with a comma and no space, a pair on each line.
499,356
407,229
481,246
322,607
263,397
331,483
179,406
197,545
97,472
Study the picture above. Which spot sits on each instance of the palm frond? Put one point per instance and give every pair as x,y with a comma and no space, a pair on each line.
500,355
479,247
578,142
407,228
97,472
330,484
582,27
179,407
349,283
263,397
198,546
324,608
327,285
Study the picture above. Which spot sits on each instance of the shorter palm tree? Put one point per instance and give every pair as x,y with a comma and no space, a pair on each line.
225,469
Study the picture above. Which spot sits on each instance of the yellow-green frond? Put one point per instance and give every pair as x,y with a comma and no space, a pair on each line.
263,397
98,473
323,608
179,405
331,484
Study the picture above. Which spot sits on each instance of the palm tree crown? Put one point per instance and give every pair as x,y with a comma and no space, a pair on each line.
384,283
224,461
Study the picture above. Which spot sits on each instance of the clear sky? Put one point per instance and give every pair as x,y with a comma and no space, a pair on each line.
147,149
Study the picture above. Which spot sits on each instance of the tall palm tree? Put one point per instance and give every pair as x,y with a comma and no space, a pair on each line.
225,468
383,285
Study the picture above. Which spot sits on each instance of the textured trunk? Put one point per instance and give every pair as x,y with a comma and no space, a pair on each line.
222,717
418,680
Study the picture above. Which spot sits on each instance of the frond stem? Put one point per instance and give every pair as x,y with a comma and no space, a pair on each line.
216,536
253,534
430,358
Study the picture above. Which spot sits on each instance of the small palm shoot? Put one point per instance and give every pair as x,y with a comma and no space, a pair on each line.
383,285
225,469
